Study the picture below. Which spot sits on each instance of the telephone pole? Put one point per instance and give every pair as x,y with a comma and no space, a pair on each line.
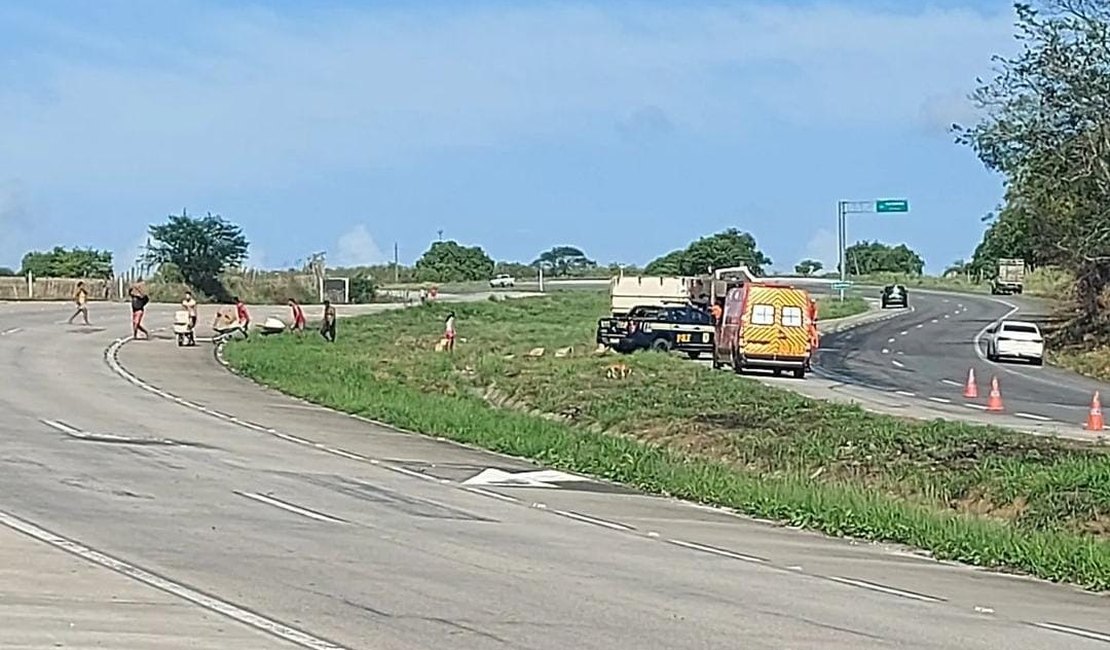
396,265
440,233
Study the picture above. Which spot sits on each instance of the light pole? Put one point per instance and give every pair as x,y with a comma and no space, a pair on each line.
843,209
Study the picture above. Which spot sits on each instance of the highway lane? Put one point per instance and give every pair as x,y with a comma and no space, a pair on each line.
926,354
354,535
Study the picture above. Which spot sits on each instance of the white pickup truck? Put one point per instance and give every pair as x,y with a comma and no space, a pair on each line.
502,280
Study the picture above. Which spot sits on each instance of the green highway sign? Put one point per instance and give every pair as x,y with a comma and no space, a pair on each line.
892,205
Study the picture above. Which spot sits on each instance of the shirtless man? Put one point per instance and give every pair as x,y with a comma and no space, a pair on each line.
81,298
327,327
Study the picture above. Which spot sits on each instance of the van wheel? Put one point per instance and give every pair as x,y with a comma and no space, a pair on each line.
661,345
777,372
693,355
800,373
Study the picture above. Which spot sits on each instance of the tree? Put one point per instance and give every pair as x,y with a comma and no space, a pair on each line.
68,263
808,267
1046,129
563,260
6,272
448,261
724,249
200,249
866,258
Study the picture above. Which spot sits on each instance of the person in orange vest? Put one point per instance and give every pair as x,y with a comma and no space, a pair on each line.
814,336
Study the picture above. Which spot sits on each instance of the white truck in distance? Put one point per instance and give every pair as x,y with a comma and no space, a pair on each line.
1010,277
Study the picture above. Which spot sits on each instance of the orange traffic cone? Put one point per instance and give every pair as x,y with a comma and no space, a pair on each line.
971,390
994,402
1094,417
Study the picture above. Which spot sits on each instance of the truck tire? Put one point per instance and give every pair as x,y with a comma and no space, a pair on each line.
799,373
661,345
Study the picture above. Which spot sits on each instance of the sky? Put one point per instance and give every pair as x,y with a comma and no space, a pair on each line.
625,128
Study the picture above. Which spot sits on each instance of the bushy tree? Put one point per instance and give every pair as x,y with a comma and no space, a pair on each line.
199,249
724,249
6,272
448,261
563,260
1046,128
865,258
808,267
68,263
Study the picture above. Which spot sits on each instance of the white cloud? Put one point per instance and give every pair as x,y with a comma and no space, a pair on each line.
356,247
823,247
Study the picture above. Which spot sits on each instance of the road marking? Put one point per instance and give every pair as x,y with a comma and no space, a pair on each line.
491,493
345,454
903,333
1033,416
898,363
885,589
211,603
408,472
942,400
891,340
947,316
717,551
905,393
277,503
11,331
976,406
1077,631
64,428
593,520
919,325
950,382
885,351
934,321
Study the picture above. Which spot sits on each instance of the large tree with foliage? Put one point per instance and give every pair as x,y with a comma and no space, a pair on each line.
1045,127
449,261
865,258
724,249
563,260
200,249
68,263
808,267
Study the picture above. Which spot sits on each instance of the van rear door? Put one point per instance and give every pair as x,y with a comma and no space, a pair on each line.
793,335
760,332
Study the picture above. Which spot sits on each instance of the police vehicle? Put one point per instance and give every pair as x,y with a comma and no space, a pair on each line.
894,294
683,328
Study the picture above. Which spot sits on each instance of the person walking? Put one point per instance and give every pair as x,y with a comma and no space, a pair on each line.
298,316
189,303
327,327
449,331
244,317
139,300
81,299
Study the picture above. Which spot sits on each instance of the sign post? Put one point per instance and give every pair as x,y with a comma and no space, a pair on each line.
843,209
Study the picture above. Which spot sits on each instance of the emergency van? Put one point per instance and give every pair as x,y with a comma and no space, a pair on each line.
767,326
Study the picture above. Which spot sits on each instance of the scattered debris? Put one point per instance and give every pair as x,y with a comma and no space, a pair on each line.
536,352
618,371
564,352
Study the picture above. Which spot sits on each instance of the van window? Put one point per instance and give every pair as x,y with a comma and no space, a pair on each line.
763,314
792,316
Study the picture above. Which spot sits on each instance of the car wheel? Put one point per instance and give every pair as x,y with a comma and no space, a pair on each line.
1039,361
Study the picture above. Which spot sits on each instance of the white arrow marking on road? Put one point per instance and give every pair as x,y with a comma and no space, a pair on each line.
542,478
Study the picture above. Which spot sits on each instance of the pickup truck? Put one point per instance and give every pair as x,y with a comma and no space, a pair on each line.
502,280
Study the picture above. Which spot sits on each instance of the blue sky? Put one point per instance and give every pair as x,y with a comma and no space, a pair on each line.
627,128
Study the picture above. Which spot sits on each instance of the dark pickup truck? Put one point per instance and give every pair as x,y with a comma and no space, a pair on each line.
684,329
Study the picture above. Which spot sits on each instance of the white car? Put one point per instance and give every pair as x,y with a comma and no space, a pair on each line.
502,280
1015,339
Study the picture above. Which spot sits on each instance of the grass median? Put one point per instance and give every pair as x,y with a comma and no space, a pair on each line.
975,494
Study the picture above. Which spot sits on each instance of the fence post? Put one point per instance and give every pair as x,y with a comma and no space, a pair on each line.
30,286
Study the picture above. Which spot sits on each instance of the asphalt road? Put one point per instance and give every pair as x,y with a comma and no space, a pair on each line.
925,354
278,524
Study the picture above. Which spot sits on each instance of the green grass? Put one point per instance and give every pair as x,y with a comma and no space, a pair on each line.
831,307
1042,282
1094,362
975,494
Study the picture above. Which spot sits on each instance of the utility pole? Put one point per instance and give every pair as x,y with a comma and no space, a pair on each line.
396,265
440,233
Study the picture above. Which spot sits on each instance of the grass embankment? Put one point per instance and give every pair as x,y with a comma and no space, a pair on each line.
1094,362
829,308
1042,282
975,494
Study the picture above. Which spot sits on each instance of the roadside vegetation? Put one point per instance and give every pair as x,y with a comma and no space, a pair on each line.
975,494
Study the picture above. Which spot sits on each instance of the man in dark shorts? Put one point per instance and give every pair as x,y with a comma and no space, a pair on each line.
139,299
327,327
81,299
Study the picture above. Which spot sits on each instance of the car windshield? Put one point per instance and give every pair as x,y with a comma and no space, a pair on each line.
1018,327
